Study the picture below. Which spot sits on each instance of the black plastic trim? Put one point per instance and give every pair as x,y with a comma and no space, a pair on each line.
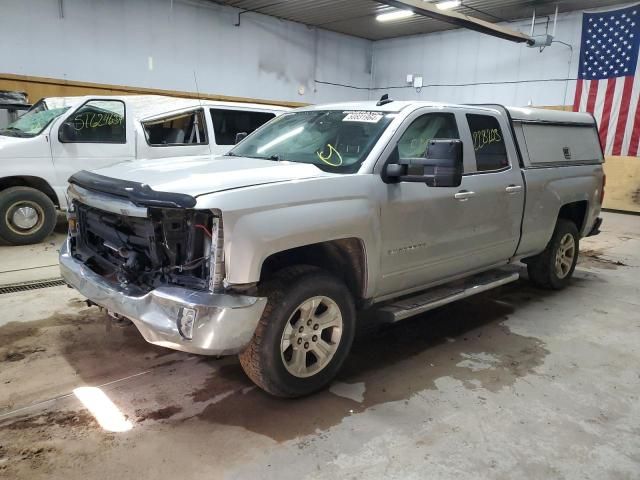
595,230
139,194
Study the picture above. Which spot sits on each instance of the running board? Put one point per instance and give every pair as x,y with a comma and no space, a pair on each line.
406,307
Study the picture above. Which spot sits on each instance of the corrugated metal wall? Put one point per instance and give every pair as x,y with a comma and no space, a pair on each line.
149,43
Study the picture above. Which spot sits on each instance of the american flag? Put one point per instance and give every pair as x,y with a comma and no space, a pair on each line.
608,85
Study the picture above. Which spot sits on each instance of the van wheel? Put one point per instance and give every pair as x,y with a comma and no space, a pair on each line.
26,215
554,267
304,335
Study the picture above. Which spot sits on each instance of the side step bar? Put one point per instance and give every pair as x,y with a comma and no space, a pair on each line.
406,307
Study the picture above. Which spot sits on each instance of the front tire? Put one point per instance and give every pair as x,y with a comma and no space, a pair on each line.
553,268
26,215
304,335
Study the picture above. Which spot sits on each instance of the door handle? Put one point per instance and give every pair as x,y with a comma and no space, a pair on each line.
464,195
513,188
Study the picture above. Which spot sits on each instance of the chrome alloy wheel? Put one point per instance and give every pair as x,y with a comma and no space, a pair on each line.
24,217
311,336
565,255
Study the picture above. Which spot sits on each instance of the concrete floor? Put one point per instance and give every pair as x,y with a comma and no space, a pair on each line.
27,263
515,383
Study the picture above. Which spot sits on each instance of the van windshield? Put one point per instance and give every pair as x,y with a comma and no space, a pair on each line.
333,140
36,118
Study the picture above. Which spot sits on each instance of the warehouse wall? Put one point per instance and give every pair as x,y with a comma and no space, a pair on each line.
464,66
150,43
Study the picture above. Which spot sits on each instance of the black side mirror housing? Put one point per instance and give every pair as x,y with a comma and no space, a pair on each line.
66,133
240,136
442,165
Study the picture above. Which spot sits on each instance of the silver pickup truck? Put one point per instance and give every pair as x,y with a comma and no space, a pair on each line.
392,208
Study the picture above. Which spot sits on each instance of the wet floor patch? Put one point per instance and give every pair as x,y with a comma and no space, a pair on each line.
159,414
49,357
466,341
33,443
595,259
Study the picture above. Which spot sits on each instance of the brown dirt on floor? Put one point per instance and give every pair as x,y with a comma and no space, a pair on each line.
50,418
159,414
16,356
593,258
33,443
466,341
49,357
394,364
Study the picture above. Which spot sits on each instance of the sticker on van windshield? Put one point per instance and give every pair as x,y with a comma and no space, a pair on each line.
367,117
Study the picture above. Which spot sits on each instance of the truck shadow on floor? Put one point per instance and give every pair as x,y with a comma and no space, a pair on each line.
466,341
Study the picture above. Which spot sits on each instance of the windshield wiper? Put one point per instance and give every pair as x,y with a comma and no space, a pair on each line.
274,157
13,132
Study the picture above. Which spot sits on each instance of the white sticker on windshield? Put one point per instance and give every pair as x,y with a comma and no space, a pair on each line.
368,117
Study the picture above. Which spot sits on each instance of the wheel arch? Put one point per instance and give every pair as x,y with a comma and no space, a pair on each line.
345,258
36,183
576,212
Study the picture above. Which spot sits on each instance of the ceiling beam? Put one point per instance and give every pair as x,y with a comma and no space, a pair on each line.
465,21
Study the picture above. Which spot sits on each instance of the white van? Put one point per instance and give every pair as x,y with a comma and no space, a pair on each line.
59,136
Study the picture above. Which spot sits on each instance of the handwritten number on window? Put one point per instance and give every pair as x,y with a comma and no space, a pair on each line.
96,120
482,138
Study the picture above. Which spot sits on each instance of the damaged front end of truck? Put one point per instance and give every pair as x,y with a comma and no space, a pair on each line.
154,258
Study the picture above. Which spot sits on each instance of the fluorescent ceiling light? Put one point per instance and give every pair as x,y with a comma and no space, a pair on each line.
448,4
397,15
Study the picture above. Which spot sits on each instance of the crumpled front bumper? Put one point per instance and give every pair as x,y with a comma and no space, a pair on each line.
224,323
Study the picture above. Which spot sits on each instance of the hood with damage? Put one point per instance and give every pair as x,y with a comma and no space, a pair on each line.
196,176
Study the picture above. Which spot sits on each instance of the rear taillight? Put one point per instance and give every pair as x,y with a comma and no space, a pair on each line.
604,182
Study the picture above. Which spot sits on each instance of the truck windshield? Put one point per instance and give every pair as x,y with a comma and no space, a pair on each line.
36,118
334,140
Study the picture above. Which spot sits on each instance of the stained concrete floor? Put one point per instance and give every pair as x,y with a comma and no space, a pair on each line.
514,383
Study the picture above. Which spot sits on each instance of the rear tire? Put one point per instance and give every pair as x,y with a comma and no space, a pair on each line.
553,268
304,335
26,215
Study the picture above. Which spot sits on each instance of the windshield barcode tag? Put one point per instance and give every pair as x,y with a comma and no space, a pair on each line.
368,117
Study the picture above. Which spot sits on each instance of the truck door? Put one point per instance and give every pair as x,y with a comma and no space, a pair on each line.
431,234
96,134
495,187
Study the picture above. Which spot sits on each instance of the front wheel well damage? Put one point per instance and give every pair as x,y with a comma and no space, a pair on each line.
36,183
345,258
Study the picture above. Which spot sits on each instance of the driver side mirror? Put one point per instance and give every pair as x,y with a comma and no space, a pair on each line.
66,133
240,136
441,166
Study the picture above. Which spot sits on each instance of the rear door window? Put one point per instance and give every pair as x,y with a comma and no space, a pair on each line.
186,128
228,123
488,143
